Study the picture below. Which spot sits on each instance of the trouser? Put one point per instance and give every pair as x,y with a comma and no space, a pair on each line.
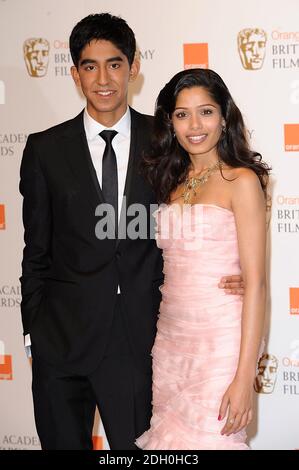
64,404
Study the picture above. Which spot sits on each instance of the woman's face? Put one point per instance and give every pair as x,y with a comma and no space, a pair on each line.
197,121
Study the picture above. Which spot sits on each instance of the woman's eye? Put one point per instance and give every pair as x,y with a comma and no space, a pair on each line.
206,111
180,115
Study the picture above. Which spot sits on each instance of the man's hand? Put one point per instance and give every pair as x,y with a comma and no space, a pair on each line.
232,284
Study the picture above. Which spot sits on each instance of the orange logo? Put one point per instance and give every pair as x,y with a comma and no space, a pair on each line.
294,300
97,442
196,56
2,216
5,368
291,137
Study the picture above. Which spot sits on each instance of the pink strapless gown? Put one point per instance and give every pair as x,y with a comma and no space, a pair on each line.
196,349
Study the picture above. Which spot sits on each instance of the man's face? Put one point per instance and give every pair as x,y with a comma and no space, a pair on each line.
266,378
37,59
103,74
252,51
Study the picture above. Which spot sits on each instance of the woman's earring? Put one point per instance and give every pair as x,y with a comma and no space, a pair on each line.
223,129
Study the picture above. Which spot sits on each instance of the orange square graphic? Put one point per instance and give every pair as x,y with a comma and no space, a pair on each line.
294,300
2,216
291,137
196,56
97,442
5,368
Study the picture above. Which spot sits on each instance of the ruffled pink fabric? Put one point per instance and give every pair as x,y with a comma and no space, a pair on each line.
196,350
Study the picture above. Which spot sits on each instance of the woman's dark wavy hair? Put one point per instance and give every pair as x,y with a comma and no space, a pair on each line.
167,164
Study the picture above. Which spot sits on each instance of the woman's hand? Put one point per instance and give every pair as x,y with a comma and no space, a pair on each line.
232,284
237,405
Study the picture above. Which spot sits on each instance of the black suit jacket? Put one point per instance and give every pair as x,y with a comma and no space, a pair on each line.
70,277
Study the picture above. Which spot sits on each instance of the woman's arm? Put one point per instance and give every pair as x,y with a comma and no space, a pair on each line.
249,207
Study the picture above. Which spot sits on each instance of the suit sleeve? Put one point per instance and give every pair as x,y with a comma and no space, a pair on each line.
37,222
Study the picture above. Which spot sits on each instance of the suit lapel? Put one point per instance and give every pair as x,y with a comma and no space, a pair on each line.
78,156
136,146
132,154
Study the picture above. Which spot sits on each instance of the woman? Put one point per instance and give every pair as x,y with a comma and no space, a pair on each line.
213,188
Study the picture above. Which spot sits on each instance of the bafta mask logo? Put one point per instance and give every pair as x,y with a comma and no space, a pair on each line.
252,47
36,55
267,374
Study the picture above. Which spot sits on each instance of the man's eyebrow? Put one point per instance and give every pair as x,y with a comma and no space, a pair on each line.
115,59
87,61
93,61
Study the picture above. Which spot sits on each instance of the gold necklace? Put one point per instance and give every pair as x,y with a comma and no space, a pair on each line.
193,182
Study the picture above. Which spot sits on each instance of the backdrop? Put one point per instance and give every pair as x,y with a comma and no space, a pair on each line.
255,48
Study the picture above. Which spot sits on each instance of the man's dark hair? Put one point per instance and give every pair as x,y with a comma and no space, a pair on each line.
102,26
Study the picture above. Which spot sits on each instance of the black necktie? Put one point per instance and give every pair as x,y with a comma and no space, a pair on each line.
109,173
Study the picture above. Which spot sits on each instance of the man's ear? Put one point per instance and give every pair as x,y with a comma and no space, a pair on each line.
134,70
75,76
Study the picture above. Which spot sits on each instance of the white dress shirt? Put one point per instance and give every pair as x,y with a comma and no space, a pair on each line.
120,144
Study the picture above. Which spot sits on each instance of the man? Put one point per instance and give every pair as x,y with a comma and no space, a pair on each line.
89,303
